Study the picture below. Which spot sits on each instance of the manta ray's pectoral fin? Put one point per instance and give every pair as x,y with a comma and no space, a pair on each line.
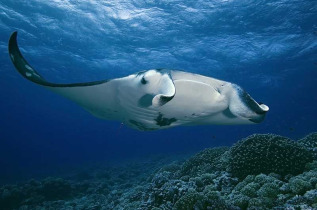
99,97
25,69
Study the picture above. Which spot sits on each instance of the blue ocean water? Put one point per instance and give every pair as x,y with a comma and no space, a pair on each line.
267,47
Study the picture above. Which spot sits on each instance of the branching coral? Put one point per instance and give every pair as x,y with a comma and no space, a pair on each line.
256,191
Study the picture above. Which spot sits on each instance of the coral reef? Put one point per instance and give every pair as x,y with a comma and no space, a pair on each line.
268,153
204,162
256,192
310,142
34,192
263,171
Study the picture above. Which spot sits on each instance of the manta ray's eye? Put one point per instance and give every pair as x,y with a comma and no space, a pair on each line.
143,81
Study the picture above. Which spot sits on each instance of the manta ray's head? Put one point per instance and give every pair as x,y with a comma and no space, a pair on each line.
243,106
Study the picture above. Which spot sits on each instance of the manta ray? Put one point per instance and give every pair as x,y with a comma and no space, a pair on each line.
154,99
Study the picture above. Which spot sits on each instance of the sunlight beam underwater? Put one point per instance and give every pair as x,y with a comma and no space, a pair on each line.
154,99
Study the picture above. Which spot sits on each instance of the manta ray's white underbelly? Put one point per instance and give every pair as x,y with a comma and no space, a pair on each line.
193,102
194,99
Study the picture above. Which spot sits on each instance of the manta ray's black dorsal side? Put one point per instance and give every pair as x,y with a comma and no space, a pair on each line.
25,69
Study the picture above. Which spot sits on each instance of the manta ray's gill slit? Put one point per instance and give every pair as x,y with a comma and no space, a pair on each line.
143,113
134,109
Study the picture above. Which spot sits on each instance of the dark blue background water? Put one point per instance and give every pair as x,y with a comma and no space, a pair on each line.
267,47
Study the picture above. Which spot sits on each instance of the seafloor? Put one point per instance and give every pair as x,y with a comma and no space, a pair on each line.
263,171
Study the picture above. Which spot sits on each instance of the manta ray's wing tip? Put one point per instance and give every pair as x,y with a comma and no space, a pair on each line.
13,46
13,38
21,65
